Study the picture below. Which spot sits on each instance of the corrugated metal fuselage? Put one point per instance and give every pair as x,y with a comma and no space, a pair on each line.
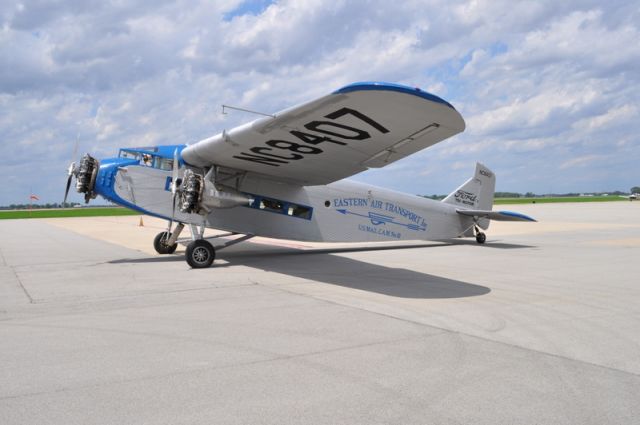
343,211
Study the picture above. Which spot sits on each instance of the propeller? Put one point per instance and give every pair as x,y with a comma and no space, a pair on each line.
174,186
85,172
72,170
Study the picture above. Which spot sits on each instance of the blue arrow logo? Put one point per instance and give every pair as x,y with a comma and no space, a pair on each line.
378,219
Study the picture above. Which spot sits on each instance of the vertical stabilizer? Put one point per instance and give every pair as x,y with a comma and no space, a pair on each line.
477,192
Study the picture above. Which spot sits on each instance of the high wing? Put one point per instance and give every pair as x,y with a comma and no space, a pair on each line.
360,126
496,215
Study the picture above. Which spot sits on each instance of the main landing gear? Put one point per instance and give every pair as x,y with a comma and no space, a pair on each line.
200,253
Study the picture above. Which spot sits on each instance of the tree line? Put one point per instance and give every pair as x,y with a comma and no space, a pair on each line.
635,189
38,206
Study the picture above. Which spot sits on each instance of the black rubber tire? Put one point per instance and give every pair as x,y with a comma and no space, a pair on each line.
160,246
200,254
481,237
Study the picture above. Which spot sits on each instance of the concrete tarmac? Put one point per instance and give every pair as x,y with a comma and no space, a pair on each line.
539,326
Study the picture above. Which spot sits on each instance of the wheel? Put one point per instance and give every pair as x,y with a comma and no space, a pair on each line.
160,245
481,237
200,254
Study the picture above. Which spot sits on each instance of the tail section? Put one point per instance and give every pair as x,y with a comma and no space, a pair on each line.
473,202
477,192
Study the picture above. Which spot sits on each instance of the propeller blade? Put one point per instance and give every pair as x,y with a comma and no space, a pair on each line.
174,186
71,171
66,191
173,210
175,170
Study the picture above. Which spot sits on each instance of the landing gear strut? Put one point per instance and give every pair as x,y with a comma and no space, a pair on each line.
200,253
167,242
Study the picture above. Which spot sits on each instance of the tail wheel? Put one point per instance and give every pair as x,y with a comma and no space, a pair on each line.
160,243
200,254
481,237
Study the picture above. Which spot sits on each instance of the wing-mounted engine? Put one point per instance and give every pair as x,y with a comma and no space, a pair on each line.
200,194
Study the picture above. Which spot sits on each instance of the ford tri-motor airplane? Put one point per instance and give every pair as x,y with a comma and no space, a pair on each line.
281,176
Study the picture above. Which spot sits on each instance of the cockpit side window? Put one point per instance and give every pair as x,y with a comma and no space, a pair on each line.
147,160
129,155
164,164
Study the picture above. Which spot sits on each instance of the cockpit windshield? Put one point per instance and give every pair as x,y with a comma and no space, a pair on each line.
148,159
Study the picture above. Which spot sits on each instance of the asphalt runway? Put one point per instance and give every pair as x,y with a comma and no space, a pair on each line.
539,326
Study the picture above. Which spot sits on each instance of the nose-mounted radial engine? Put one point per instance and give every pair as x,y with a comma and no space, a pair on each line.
85,173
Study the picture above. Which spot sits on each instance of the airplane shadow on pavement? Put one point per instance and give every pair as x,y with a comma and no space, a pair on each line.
323,266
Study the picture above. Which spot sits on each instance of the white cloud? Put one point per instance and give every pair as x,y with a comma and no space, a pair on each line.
615,116
580,161
541,84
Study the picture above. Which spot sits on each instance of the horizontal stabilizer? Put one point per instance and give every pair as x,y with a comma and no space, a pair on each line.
496,215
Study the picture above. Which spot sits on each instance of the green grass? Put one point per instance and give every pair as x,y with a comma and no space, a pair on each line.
612,198
67,212
115,211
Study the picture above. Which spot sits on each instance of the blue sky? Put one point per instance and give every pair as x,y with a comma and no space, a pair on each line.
549,90
249,7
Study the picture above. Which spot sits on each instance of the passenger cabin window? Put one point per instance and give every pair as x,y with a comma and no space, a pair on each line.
271,205
280,207
299,211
